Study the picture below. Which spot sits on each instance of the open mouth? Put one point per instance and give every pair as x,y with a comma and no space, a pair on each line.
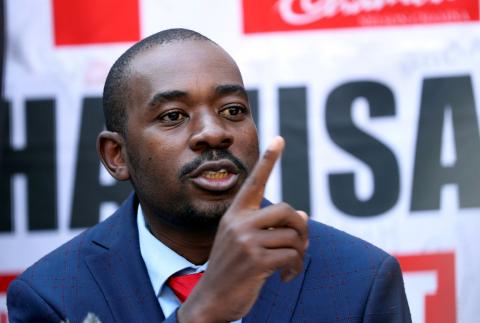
215,176
221,174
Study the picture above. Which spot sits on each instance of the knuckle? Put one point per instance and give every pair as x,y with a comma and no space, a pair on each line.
232,228
271,259
269,155
251,254
293,235
256,255
289,236
285,207
289,257
292,254
244,241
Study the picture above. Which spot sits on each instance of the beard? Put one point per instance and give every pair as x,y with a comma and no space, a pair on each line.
189,217
180,211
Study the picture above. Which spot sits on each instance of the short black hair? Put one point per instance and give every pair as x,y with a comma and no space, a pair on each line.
116,89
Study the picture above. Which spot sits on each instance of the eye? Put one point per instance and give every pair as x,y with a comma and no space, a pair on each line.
234,112
173,117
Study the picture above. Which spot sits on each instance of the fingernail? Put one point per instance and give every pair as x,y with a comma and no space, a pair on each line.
276,143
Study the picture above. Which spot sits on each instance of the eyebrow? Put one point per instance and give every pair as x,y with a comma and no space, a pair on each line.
227,89
220,90
166,96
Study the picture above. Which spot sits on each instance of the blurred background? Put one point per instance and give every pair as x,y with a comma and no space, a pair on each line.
377,100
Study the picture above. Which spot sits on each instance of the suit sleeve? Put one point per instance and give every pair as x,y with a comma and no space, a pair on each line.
387,301
25,305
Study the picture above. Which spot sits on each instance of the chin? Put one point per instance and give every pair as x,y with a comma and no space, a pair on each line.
209,209
204,215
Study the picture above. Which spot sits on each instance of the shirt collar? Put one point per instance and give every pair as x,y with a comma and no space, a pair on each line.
161,261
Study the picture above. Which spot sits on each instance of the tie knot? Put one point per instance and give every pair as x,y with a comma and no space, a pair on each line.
182,285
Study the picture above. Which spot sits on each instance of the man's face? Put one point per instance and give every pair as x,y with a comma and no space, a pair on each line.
191,139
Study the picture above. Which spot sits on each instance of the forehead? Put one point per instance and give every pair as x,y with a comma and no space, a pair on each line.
182,65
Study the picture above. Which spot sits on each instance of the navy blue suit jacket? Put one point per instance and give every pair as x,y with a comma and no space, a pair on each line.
101,271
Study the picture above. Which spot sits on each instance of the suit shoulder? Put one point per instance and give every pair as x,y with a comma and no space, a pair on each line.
360,280
329,243
69,255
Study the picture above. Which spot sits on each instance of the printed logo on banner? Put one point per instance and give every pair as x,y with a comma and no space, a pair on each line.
440,302
5,280
291,15
92,22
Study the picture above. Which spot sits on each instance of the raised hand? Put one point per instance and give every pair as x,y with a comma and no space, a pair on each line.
250,245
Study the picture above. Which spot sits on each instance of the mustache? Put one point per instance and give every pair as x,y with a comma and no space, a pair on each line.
211,155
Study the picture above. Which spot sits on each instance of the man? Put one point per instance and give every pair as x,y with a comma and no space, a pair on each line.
179,127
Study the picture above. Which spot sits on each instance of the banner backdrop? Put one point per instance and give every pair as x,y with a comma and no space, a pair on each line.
377,101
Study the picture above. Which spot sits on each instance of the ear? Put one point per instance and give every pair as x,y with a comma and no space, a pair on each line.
111,149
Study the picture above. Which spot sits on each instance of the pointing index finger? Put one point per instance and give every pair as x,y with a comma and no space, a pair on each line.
251,193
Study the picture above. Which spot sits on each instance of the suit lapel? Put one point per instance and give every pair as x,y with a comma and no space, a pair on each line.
277,300
119,270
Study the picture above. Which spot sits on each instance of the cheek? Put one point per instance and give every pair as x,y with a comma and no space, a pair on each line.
162,159
167,158
252,156
153,161
248,147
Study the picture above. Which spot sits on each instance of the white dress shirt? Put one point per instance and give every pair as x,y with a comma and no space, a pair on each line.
162,262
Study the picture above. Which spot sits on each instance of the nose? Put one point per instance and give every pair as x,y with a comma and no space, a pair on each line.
210,133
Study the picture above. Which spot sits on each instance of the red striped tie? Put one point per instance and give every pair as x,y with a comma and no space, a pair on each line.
182,285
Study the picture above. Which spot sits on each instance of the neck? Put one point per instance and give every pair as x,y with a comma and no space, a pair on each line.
192,244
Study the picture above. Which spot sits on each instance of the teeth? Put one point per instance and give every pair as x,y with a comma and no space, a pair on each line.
222,173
